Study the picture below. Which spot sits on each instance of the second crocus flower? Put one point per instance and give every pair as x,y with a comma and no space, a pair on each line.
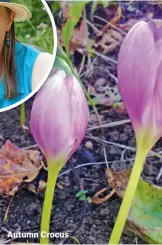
59,119
140,81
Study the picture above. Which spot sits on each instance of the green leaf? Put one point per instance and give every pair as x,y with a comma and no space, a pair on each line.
61,64
56,5
81,193
75,13
82,198
89,200
145,216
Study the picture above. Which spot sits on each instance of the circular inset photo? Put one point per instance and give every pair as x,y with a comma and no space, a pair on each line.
28,43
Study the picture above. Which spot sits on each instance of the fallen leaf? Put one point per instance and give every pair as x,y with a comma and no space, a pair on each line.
99,82
120,108
17,166
102,99
65,11
31,187
74,38
118,180
114,20
79,37
98,200
41,186
131,22
145,215
109,41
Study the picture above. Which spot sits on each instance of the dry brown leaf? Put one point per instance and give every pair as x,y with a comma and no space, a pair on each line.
120,108
41,186
65,11
109,41
99,82
17,166
117,181
114,20
79,37
131,22
97,200
144,215
31,187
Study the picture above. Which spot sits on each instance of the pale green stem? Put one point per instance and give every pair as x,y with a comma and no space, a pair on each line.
128,197
53,171
22,114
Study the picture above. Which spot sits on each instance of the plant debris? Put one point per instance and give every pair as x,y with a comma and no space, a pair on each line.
17,166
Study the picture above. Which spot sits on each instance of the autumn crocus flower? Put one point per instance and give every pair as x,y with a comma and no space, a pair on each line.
140,82
58,123
140,79
59,116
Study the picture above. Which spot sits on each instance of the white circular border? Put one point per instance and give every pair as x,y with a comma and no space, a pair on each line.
50,65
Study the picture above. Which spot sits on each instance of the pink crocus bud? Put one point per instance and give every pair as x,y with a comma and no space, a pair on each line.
59,116
140,82
140,79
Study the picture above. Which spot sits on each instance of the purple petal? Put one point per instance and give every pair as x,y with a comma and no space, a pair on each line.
154,29
137,64
59,116
153,109
160,32
53,72
158,46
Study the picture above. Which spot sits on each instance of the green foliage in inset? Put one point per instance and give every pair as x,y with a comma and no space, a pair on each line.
37,31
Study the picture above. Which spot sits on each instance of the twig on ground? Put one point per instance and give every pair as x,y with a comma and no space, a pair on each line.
159,174
151,153
82,65
104,57
105,155
110,125
123,154
29,147
82,165
94,28
7,210
113,26
113,77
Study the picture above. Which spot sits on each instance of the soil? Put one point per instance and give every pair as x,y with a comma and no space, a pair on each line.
88,222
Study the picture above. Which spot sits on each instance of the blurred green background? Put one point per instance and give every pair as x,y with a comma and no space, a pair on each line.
37,31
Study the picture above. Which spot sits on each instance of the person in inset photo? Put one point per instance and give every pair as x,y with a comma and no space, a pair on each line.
22,66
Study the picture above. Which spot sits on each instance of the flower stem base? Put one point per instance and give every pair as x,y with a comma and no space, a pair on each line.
128,197
53,171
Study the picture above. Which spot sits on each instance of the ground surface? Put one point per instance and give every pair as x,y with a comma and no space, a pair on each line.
89,223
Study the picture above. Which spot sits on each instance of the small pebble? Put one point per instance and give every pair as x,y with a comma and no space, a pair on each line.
99,83
89,145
